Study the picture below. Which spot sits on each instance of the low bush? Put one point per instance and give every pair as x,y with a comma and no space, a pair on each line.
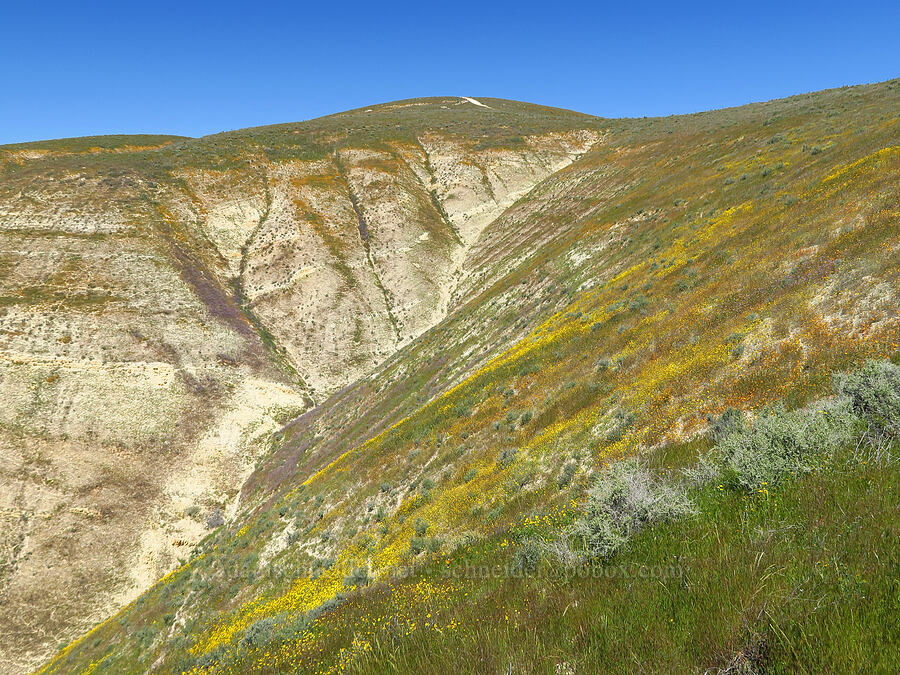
625,498
507,456
358,578
419,544
326,606
782,443
259,633
874,395
566,474
527,557
215,519
729,422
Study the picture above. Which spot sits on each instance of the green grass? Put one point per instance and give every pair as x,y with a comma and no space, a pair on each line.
803,579
93,143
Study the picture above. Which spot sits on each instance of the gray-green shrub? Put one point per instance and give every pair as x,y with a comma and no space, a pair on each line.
527,556
782,443
623,499
358,577
874,395
259,633
731,421
507,456
566,474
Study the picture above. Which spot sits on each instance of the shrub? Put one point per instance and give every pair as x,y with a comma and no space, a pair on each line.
782,443
259,633
566,475
470,474
291,626
706,470
506,456
729,422
615,434
326,606
358,577
625,498
145,635
527,416
874,395
421,527
527,557
208,660
622,421
276,629
322,563
215,519
417,545
462,410
638,303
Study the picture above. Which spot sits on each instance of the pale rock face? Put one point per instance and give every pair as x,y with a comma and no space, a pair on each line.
476,186
211,471
229,208
346,259
85,210
309,281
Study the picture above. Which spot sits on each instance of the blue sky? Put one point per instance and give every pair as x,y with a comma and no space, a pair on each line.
193,68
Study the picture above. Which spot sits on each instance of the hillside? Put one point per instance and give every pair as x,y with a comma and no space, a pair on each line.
476,309
168,303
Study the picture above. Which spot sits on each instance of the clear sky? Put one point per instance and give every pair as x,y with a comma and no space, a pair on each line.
195,67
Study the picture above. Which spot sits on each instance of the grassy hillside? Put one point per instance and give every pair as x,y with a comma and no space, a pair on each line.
683,266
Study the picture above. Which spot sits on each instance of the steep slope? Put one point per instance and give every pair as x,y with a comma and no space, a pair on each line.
167,303
686,264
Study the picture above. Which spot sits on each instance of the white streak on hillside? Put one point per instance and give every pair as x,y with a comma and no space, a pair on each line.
474,102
